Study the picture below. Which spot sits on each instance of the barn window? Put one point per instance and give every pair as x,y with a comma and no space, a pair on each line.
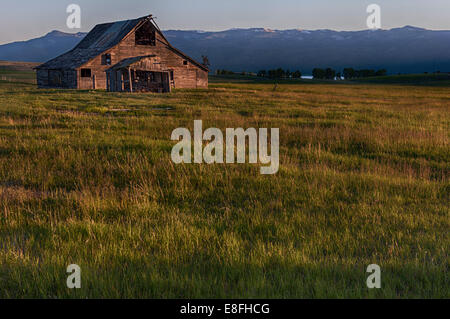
185,62
106,59
85,73
171,76
146,35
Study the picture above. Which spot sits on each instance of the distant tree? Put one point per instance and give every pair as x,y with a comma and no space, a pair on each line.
280,73
349,73
206,61
276,74
296,75
330,74
262,73
224,72
382,72
318,73
288,74
338,76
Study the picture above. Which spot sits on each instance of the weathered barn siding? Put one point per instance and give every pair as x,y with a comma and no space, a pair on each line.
70,79
57,78
87,62
42,78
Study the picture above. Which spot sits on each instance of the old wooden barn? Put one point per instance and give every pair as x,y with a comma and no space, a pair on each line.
131,55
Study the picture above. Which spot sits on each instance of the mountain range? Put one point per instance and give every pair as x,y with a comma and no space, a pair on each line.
400,50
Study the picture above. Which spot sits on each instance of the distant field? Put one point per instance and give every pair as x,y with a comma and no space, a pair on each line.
86,178
434,79
18,66
238,78
18,72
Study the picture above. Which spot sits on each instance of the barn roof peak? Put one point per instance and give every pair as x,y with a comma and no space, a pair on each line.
102,37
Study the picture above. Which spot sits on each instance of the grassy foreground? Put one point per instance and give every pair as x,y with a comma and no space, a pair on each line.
86,178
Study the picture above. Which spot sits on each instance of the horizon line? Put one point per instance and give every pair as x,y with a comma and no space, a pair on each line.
241,28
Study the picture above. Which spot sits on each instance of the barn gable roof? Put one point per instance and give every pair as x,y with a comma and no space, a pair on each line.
102,38
107,35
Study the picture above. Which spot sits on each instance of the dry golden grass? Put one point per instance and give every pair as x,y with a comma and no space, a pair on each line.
86,178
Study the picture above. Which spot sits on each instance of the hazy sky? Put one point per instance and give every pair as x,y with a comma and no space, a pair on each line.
25,19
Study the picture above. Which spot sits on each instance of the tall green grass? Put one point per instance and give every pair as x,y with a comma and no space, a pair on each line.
86,178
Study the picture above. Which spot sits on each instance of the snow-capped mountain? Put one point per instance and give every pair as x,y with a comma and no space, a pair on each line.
407,50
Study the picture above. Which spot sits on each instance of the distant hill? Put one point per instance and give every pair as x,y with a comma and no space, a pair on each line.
405,50
40,49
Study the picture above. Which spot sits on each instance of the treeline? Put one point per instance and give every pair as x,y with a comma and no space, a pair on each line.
348,73
320,74
272,74
327,73
280,74
225,72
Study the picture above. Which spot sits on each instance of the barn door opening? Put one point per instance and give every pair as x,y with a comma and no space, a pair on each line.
86,79
149,81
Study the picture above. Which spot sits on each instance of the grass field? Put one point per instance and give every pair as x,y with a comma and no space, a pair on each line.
17,72
87,178
431,79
